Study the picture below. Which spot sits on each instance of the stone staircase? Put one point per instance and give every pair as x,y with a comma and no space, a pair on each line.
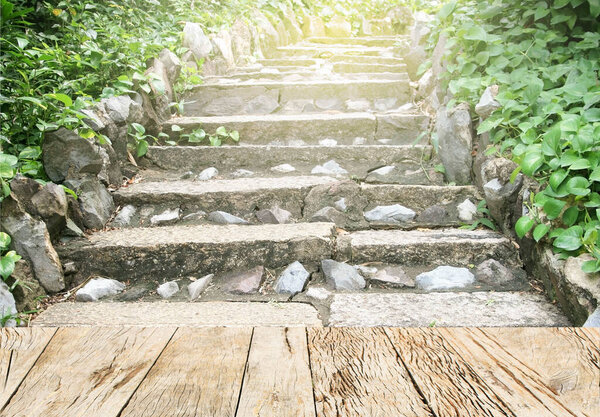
328,133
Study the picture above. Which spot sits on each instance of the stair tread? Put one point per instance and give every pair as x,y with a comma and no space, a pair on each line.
289,117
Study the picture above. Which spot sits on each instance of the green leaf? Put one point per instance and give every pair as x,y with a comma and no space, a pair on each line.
235,135
553,207
482,57
594,8
141,130
533,90
447,10
6,171
9,160
580,164
87,133
523,226
570,239
578,186
63,98
176,128
569,217
142,148
7,264
476,33
591,267
532,161
540,231
221,131
557,178
595,175
4,241
30,152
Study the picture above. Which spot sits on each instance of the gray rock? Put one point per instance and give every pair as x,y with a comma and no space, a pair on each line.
328,214
196,288
467,211
292,280
71,229
198,215
222,43
390,214
123,219
501,194
455,136
269,37
172,64
51,205
274,216
284,38
338,27
593,320
366,271
493,272
283,168
488,104
361,105
222,217
7,305
241,40
95,202
262,104
341,205
70,268
168,289
329,168
445,278
117,108
208,174
385,104
98,288
169,216
30,292
393,276
196,41
245,282
342,276
292,26
359,141
242,173
318,293
433,215
328,142
329,103
23,188
313,26
31,240
415,57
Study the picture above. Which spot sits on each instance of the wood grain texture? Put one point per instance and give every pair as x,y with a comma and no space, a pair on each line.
19,349
356,372
450,386
198,374
526,391
277,380
566,359
88,372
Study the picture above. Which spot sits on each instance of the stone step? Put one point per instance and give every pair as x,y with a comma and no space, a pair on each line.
382,41
303,197
270,97
181,251
340,58
359,161
326,51
311,128
179,314
301,74
454,247
479,309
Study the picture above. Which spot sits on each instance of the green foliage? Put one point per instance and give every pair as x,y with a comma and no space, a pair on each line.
545,57
8,259
215,139
484,218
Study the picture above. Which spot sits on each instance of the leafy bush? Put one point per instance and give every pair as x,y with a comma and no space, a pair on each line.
545,56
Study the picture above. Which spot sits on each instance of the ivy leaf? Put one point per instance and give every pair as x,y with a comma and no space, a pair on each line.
142,148
532,161
476,33
570,216
447,10
540,231
594,8
569,239
591,267
553,207
63,98
595,175
578,186
482,57
533,90
4,241
557,178
523,226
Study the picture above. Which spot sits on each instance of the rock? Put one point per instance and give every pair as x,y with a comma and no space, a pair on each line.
24,188
361,105
419,33
467,211
222,217
327,195
168,289
328,214
593,320
385,104
198,215
292,280
445,278
502,195
222,43
50,203
390,214
162,90
313,27
487,103
196,288
292,26
117,108
342,276
208,173
318,293
31,240
438,65
71,229
338,27
426,84
329,103
268,37
98,288
328,142
196,41
383,171
29,292
172,64
456,142
298,106
169,216
70,268
284,38
365,27
245,282
393,276
135,293
359,141
95,202
239,173
262,104
7,305
123,219
413,60
493,272
329,168
274,216
433,215
366,271
341,205
241,40
283,168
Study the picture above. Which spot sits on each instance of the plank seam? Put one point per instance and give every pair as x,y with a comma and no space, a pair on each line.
312,384
237,406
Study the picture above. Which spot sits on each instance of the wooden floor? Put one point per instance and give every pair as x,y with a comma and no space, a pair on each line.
299,372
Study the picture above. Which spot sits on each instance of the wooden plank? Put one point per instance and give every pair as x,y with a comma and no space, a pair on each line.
356,372
19,349
88,372
277,380
522,388
566,359
449,385
198,374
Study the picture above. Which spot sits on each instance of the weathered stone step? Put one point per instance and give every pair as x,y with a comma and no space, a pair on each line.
270,97
479,309
326,51
227,314
294,129
383,41
301,74
359,161
183,251
454,247
340,58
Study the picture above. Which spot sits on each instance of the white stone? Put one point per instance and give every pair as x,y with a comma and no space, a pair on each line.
7,304
196,288
390,214
384,170
340,205
329,168
222,217
166,217
168,289
487,104
242,173
328,142
283,168
196,41
208,174
466,211
445,278
359,141
292,280
124,217
342,276
98,288
318,293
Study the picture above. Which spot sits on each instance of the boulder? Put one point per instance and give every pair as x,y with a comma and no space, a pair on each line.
124,217
172,64
98,288
454,130
7,306
196,288
241,40
52,206
31,240
167,217
222,43
168,289
268,36
487,103
292,280
292,26
162,89
501,194
341,276
68,155
29,291
196,41
274,215
95,202
313,27
222,217
438,64
245,282
393,214
338,27
593,320
445,278
467,211
328,214
24,188
494,273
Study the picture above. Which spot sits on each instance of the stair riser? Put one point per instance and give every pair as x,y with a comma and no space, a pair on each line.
313,61
385,42
325,52
302,75
271,98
